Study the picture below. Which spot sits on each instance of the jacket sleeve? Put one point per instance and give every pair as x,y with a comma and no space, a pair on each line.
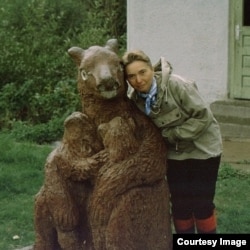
197,112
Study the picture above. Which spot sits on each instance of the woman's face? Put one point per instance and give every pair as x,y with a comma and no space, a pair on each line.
140,76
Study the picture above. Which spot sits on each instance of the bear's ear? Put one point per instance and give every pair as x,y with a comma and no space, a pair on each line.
76,54
102,129
112,44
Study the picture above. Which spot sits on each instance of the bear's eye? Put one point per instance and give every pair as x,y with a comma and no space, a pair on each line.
85,74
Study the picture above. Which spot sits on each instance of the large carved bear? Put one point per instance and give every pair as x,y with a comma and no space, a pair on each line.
137,214
142,220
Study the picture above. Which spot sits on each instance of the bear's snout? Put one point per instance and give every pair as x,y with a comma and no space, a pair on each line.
108,84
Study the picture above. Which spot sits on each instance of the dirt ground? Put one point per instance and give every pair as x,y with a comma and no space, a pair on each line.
237,153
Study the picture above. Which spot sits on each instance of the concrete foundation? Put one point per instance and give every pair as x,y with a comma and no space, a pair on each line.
233,117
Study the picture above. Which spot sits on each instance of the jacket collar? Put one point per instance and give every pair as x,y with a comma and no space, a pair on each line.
162,69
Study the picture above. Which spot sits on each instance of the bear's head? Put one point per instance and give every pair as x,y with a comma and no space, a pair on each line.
119,138
80,134
100,70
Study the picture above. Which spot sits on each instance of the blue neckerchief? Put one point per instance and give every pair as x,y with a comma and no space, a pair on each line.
150,97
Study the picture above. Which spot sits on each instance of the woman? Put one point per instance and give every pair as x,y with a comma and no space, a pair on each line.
191,133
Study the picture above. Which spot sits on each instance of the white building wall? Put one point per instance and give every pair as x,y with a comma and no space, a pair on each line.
191,34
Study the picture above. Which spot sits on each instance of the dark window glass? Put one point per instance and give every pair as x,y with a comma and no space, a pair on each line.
246,18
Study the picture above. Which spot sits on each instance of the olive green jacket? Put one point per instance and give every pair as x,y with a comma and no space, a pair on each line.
184,119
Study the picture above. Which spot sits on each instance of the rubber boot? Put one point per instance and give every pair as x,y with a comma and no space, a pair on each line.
184,226
207,225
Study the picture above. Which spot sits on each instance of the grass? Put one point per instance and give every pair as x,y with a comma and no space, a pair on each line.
233,200
21,176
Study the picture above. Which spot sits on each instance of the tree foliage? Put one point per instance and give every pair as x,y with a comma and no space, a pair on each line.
37,78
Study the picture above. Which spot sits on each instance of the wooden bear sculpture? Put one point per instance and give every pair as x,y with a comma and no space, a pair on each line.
142,218
105,185
60,208
129,206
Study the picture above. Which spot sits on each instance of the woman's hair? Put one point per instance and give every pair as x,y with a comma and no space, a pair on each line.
135,55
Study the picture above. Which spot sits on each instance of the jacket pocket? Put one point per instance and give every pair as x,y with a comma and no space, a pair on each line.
185,146
168,118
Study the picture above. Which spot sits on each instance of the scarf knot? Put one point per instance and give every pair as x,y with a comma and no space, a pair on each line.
150,97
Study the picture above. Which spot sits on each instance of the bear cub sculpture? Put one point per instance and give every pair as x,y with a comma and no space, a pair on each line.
60,205
125,197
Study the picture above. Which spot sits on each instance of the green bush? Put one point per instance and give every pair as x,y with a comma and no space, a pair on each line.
37,77
227,172
40,133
